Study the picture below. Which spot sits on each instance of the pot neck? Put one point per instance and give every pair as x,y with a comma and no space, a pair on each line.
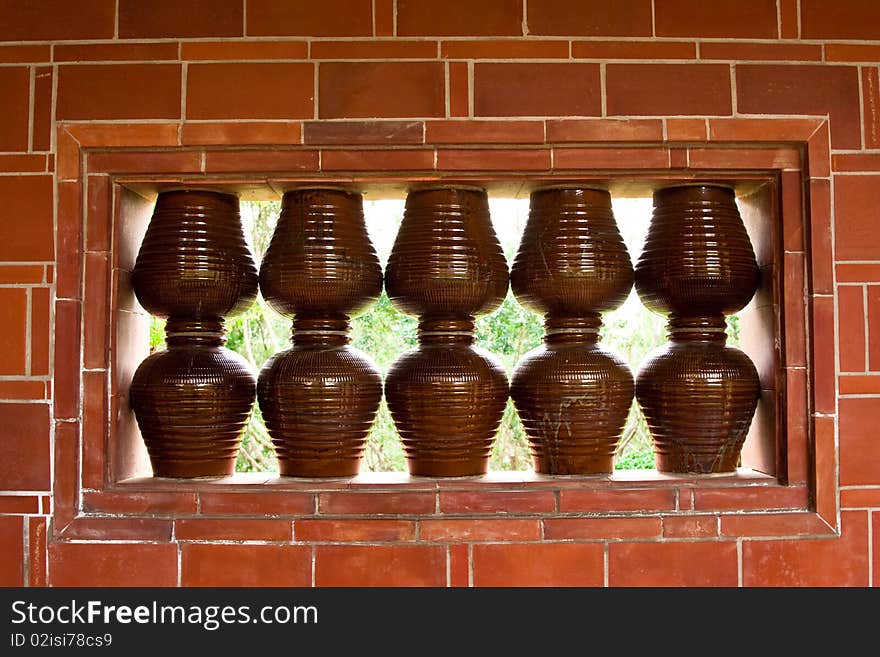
327,331
446,331
703,328
205,332
580,330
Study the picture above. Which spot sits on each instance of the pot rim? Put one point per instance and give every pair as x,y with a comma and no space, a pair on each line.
720,185
593,187
433,187
200,190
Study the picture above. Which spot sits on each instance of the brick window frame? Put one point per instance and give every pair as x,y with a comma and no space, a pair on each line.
105,171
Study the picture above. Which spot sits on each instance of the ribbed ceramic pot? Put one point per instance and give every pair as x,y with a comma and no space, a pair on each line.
446,397
193,400
320,397
572,395
697,394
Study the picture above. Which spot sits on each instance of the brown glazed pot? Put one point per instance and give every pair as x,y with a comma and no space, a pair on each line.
446,397
697,394
572,395
193,400
319,399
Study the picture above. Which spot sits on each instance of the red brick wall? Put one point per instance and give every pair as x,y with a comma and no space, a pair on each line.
184,79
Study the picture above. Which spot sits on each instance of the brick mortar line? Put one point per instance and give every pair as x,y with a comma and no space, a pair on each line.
32,73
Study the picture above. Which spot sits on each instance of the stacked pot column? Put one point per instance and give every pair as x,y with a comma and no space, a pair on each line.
320,397
572,395
446,397
698,395
193,400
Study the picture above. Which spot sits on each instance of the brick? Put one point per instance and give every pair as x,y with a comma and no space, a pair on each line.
380,565
118,91
633,50
795,319
871,106
848,19
459,565
241,134
69,157
860,498
860,385
232,529
95,422
744,158
12,545
377,160
589,130
610,158
819,152
40,323
667,89
719,19
26,224
750,497
493,160
96,311
67,358
851,52
856,235
504,49
23,504
484,132
466,530
245,565
773,524
804,89
821,255
99,206
597,18
261,91
538,564
128,136
227,50
381,89
22,390
158,503
349,530
376,503
608,500
146,162
601,528
65,482
686,130
108,52
687,564
818,562
772,130
25,462
24,20
347,133
459,18
23,163
19,274
497,502
13,334
851,328
789,19
849,272
859,450
119,564
459,95
825,464
373,50
702,526
161,19
342,18
525,89
37,552
118,529
855,162
789,52
268,160
70,238
25,54
383,17
15,90
262,503
873,336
